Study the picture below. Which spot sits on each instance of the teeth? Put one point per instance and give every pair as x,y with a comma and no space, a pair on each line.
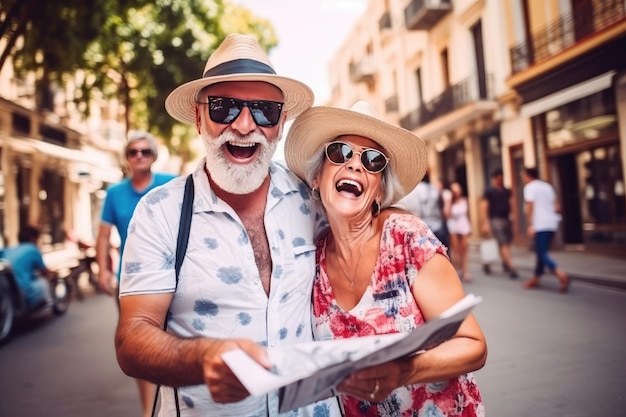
350,182
243,144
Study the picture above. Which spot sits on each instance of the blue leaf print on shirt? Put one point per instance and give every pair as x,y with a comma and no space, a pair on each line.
278,271
170,260
198,324
230,275
298,241
284,297
188,401
299,330
210,243
304,208
244,318
205,308
243,238
304,192
321,410
283,333
276,193
156,196
132,267
281,234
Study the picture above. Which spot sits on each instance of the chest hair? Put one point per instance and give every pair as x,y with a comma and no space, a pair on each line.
258,239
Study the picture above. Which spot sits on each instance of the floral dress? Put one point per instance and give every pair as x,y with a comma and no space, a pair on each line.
388,306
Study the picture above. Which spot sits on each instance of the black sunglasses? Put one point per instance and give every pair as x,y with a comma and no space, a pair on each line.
135,152
225,110
372,160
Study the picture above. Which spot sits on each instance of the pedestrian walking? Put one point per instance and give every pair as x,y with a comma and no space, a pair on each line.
120,201
543,215
426,202
496,220
460,229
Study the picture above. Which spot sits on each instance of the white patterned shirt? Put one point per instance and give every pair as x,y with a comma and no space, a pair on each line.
219,293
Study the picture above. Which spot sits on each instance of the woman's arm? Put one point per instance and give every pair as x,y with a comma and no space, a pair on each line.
436,288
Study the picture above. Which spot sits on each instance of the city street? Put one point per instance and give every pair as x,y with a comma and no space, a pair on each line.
550,354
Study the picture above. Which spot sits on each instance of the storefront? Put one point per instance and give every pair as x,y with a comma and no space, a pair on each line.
579,141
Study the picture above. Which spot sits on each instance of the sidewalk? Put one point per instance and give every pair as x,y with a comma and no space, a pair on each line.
594,268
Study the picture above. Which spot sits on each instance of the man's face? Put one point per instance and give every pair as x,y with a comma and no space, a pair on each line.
239,153
139,156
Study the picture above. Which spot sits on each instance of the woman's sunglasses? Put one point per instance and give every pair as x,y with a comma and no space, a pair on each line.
372,160
225,110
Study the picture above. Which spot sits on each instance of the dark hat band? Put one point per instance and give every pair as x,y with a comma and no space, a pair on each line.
239,66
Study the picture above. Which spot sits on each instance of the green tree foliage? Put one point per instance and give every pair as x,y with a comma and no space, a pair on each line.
137,51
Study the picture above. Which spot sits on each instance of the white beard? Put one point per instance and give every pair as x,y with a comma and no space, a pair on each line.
235,178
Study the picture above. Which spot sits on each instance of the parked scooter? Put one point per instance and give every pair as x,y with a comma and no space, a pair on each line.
13,305
87,265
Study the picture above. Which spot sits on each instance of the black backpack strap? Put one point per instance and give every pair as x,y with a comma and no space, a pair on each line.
186,212
185,225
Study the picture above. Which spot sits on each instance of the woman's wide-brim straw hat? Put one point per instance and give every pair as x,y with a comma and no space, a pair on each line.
320,125
238,58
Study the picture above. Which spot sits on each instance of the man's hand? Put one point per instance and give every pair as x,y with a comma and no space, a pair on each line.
105,281
223,385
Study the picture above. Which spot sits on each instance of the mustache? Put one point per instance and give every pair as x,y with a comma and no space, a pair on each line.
237,139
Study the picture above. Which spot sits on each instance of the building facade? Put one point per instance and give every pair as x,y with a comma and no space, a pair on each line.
478,82
55,165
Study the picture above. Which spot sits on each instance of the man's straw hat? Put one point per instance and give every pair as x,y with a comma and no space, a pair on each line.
320,125
238,58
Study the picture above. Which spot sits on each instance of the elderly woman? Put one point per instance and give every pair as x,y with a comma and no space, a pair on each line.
381,270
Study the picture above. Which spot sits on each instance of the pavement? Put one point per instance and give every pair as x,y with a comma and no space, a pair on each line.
594,268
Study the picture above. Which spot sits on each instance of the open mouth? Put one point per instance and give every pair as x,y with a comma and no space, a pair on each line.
241,150
349,186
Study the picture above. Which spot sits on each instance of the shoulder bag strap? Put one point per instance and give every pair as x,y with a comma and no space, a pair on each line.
184,227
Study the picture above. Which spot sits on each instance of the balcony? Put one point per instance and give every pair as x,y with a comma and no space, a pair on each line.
589,17
455,97
363,70
384,22
424,14
391,104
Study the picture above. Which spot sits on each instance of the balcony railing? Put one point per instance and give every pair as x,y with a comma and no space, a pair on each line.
587,18
385,21
391,104
363,70
424,14
467,91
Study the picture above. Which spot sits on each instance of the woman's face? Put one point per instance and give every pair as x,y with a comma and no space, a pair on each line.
348,189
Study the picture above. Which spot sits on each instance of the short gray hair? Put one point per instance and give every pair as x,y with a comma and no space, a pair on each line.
135,135
391,185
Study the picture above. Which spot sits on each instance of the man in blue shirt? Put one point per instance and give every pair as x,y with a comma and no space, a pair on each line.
29,268
119,205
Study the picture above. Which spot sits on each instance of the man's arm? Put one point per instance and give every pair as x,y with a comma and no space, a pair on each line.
529,218
146,351
103,251
484,216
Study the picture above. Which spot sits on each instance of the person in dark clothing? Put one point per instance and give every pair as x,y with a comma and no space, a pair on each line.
496,220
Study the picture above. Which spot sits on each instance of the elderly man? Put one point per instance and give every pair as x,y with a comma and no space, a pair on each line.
247,274
141,153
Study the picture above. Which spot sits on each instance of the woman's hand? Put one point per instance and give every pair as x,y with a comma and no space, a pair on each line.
375,383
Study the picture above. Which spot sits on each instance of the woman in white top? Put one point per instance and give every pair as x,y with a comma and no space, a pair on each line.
459,228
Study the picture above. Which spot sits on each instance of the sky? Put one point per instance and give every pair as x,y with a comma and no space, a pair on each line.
309,34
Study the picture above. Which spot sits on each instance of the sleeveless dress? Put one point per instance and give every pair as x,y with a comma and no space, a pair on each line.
388,306
459,223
